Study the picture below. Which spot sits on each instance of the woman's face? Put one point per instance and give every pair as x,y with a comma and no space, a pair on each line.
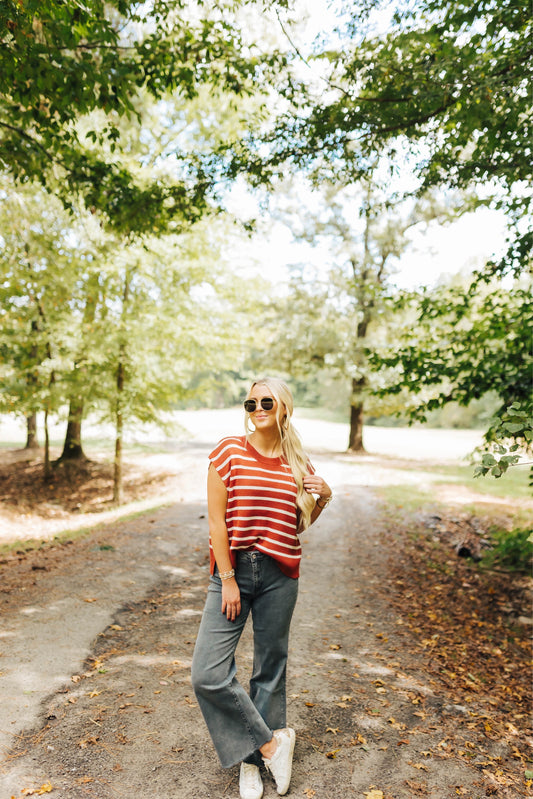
262,419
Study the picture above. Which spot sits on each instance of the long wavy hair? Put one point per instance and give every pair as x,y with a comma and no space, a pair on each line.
291,444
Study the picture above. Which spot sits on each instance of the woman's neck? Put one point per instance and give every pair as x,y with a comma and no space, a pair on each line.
267,444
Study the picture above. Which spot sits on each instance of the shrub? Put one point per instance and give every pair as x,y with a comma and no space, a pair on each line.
513,551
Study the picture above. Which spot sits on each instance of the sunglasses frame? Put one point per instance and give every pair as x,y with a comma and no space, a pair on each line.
269,400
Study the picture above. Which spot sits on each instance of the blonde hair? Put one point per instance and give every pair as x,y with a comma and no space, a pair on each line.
291,445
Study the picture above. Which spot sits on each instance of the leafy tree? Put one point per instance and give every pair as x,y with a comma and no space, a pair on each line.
161,323
39,272
61,62
463,345
150,139
447,86
327,325
92,322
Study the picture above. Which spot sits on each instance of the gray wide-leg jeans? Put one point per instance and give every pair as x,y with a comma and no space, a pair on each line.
239,723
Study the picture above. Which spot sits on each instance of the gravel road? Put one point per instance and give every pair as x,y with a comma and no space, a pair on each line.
97,638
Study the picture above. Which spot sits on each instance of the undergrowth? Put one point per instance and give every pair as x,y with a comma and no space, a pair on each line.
512,550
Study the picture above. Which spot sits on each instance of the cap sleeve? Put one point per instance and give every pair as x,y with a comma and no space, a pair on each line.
221,458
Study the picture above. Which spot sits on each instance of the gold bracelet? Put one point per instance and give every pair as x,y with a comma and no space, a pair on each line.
227,575
326,501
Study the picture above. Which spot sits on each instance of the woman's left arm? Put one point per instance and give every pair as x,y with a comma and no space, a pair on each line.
314,484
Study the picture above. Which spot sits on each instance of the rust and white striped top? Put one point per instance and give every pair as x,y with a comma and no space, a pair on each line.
261,510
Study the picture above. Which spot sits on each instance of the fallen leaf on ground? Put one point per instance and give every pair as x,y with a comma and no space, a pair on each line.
46,788
398,725
86,741
419,788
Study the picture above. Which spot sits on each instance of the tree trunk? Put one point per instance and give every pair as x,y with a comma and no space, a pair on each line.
72,448
355,443
31,418
31,431
119,422
47,469
356,428
121,378
46,447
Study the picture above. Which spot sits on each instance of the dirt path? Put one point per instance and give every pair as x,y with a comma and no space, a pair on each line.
97,639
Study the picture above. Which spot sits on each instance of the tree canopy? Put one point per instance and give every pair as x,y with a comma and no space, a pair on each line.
465,343
133,113
61,62
446,90
447,86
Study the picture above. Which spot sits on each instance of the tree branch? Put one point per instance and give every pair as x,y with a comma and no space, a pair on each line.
28,138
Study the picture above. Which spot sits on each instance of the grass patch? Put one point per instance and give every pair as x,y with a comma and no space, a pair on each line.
77,534
408,497
514,484
32,544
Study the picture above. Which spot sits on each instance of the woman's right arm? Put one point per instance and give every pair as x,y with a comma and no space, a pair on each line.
217,497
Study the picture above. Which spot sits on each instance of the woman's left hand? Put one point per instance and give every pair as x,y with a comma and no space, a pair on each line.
314,484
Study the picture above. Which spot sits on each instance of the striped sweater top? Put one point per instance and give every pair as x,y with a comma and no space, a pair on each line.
261,511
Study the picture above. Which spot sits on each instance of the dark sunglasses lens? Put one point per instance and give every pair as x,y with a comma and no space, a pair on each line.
267,403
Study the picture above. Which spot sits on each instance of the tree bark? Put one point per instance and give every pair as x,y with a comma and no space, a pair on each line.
31,418
121,378
363,280
119,423
355,443
31,431
72,448
47,470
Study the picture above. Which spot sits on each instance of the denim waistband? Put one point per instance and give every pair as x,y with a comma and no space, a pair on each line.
250,554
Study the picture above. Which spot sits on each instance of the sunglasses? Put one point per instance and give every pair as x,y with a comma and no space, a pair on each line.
267,403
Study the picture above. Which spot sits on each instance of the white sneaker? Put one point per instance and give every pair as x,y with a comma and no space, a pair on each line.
280,764
250,782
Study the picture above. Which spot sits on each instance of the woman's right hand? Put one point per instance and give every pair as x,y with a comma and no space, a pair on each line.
231,599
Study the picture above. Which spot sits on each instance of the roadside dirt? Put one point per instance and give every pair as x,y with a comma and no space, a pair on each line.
404,679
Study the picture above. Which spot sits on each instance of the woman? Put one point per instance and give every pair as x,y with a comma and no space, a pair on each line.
260,496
